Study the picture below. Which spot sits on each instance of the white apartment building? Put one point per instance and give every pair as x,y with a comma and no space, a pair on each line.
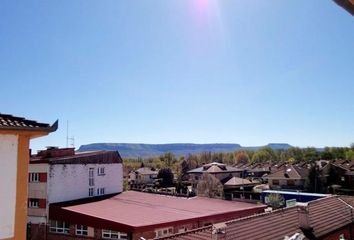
61,175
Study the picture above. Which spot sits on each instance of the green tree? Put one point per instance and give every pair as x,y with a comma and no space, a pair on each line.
296,153
352,146
242,157
313,182
338,152
327,154
310,154
184,171
261,156
272,153
349,155
210,186
168,158
275,200
166,176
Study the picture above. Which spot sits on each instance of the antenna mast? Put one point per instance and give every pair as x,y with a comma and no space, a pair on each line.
72,139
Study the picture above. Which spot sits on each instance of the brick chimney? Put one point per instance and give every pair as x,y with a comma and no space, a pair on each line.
304,222
52,152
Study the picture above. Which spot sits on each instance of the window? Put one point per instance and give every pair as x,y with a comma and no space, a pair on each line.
275,182
164,232
100,171
100,191
91,175
34,177
91,190
33,203
290,182
108,234
81,230
182,230
59,227
91,182
91,170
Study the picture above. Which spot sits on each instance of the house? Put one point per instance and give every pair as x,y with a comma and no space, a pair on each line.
15,136
218,170
343,170
141,177
240,188
138,215
61,174
323,219
291,177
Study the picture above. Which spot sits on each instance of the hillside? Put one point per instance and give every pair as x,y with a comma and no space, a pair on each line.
134,150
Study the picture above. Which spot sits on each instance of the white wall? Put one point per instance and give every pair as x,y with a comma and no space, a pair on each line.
8,163
71,181
38,189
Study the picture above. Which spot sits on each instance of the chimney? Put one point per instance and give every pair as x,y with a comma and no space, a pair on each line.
304,221
52,152
219,231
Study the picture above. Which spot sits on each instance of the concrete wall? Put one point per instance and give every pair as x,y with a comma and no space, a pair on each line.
71,181
8,162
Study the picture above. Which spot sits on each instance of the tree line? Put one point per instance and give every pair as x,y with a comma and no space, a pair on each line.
263,155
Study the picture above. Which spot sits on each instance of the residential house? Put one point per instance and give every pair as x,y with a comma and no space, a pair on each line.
219,170
291,177
140,178
240,188
343,171
60,175
15,136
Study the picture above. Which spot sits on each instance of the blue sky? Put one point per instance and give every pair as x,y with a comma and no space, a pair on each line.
201,71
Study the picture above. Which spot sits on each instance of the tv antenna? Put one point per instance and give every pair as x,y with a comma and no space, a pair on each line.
71,139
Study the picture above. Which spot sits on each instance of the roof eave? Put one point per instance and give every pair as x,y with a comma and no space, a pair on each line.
347,5
35,131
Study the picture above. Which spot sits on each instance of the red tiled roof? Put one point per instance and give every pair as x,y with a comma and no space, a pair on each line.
324,216
348,199
235,181
138,210
290,172
9,122
328,214
346,165
215,167
268,226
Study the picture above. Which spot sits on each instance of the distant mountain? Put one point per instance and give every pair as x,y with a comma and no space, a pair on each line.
133,150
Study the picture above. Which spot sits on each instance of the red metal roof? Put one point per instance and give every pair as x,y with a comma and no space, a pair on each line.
138,210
